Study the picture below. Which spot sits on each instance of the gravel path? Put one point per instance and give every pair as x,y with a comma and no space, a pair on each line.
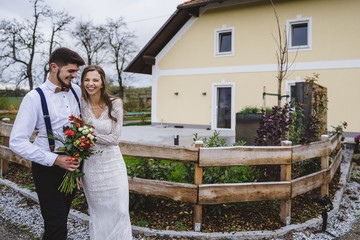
342,222
16,211
8,231
21,219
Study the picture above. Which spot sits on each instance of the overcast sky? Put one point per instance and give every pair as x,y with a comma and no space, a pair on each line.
144,17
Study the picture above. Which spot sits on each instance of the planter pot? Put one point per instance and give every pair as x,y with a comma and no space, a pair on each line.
246,126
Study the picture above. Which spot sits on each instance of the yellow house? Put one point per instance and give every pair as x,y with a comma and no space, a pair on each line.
213,57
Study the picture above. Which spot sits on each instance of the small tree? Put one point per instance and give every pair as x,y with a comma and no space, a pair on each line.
93,40
122,46
282,54
19,42
58,22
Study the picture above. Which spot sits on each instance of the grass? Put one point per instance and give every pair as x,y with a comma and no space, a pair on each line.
142,223
137,124
9,103
30,186
132,160
135,118
5,102
180,226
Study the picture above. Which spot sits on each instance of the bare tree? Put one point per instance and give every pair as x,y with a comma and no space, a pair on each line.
19,41
282,54
93,40
121,46
58,22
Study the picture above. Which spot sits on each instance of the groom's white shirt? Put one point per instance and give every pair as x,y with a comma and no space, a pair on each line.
30,115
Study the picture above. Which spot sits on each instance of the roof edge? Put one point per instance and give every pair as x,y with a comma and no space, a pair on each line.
147,45
200,4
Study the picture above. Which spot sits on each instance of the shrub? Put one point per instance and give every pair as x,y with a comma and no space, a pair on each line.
253,110
300,133
311,133
305,167
339,129
212,141
320,103
236,174
297,128
281,125
273,127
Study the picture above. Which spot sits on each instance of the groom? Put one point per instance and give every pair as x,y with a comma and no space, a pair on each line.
48,167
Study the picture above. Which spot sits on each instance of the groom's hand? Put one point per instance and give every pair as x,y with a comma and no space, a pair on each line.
63,162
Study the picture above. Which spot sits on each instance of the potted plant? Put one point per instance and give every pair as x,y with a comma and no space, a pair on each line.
247,122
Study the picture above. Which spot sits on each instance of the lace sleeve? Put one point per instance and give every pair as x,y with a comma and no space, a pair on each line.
114,137
85,109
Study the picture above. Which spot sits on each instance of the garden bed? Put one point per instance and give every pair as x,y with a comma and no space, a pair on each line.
170,215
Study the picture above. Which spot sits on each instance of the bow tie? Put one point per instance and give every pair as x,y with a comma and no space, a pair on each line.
60,89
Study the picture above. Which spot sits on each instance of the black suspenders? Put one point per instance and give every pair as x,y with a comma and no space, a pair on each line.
47,116
77,99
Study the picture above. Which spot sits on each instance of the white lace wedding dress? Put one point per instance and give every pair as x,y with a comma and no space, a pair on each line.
105,181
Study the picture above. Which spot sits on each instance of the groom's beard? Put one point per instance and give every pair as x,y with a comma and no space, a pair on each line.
61,81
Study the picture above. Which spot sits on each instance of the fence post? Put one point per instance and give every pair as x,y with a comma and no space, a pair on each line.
285,205
325,165
4,141
198,180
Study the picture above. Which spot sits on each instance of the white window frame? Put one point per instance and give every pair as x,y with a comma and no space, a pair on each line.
215,86
289,84
299,20
217,33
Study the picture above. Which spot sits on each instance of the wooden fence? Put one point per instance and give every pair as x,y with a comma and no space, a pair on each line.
126,115
200,194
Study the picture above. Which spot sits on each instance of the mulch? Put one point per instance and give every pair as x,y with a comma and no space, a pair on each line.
166,214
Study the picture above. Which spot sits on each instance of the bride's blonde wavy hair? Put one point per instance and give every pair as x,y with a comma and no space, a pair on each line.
105,96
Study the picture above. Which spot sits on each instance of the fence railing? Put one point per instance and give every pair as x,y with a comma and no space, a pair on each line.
200,194
126,115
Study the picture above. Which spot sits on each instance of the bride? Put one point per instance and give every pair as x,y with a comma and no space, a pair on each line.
105,181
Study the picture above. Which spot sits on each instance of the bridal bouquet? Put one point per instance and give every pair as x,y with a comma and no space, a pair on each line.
78,143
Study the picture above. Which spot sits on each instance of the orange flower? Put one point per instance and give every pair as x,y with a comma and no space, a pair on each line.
70,132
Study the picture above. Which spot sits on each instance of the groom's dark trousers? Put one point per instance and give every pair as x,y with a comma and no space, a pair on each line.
54,205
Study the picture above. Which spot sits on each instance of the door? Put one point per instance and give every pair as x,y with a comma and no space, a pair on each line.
223,107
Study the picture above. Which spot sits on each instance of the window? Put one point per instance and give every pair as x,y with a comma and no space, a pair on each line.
224,41
299,32
292,94
292,91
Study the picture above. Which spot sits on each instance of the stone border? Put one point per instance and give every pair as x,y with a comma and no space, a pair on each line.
345,168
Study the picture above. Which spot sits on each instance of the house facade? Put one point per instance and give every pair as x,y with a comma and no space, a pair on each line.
214,57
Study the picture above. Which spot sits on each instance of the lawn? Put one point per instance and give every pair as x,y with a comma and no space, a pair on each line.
135,118
5,102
